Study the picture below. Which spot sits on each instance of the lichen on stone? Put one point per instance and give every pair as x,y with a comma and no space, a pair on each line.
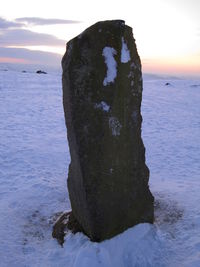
115,126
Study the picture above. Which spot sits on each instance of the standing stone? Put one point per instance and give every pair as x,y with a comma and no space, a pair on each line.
102,93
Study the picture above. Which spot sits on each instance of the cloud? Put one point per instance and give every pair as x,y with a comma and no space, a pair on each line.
44,21
6,24
28,56
16,34
23,37
33,21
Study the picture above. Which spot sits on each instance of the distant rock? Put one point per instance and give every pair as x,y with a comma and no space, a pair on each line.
195,85
24,71
167,84
41,72
102,93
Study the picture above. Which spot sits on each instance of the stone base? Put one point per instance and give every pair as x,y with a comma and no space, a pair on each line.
65,223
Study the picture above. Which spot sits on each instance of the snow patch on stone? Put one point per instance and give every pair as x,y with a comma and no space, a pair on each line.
125,53
115,126
108,53
103,105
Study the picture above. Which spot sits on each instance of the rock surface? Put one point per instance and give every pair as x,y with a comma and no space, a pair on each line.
102,93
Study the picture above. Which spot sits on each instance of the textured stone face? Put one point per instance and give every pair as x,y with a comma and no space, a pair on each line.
102,93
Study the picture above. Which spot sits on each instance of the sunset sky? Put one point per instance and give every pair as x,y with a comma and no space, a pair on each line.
167,32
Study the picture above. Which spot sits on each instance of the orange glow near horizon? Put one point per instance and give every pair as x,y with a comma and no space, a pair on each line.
13,60
173,66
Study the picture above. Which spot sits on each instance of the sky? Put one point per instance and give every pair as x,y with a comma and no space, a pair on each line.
167,32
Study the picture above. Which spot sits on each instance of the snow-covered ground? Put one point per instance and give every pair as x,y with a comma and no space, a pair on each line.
34,158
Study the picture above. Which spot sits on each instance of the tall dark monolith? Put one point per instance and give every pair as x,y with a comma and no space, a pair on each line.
102,93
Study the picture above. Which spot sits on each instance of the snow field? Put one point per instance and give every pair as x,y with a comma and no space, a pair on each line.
34,160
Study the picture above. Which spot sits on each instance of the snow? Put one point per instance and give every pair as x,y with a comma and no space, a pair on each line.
108,53
114,252
125,53
34,160
103,105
